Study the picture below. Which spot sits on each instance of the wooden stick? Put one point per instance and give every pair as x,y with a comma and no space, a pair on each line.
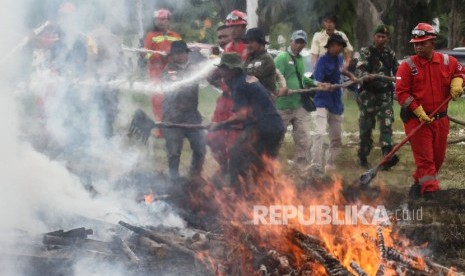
459,122
342,85
157,238
456,141
357,269
127,250
188,126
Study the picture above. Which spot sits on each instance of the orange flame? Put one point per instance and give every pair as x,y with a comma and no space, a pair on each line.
348,243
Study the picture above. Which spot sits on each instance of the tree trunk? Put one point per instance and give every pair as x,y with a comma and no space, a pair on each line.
453,33
368,17
252,17
402,29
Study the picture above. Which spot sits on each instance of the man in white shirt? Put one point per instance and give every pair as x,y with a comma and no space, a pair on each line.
320,39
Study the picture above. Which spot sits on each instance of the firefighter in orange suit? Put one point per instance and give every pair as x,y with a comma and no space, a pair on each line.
159,39
423,82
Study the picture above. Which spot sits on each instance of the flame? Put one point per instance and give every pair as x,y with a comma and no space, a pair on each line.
348,243
149,198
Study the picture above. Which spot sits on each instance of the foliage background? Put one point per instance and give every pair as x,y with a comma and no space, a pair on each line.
355,17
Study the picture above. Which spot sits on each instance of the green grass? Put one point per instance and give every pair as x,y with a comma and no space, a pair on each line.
399,178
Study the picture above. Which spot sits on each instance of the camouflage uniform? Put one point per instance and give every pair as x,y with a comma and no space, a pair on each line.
375,99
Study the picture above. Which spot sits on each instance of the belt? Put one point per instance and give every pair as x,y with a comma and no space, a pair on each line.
439,115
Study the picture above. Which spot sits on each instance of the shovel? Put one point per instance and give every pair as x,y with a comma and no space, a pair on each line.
368,176
141,126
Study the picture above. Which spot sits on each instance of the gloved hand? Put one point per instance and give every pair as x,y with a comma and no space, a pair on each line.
420,113
456,89
308,82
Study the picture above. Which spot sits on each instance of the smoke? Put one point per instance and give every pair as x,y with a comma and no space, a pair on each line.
63,145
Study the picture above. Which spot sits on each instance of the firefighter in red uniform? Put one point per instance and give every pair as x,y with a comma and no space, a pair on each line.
237,23
222,140
159,39
423,82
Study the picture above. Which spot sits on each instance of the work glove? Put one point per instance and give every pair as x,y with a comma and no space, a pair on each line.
456,89
422,116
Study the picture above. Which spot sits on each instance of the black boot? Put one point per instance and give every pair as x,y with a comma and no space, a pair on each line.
362,161
391,162
415,191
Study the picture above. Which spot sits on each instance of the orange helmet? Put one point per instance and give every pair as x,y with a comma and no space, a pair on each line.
236,18
423,32
162,13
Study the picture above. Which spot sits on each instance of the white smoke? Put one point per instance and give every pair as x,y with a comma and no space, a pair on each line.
42,185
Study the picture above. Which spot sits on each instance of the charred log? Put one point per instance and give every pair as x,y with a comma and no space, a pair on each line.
157,238
316,249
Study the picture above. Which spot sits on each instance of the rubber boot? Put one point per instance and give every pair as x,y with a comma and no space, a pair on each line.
391,162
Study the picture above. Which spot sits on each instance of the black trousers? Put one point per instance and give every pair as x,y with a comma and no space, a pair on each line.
174,138
248,153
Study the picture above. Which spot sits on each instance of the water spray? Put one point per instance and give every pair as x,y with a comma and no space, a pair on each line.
146,87
25,40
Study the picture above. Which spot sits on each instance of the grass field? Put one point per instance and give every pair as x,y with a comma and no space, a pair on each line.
398,178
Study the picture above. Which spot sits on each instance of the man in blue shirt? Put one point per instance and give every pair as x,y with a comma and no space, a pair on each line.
329,107
263,127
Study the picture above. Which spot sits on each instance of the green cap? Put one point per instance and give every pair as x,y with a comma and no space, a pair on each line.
231,61
382,29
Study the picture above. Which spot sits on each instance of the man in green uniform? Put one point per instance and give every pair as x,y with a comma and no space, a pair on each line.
376,96
292,65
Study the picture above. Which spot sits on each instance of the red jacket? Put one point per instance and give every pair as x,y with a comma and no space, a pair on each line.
239,47
158,41
428,83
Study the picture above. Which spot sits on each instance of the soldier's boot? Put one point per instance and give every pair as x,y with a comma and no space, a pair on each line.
391,162
363,161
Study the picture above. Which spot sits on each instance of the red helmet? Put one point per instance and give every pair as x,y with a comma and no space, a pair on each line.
423,32
235,18
162,13
67,8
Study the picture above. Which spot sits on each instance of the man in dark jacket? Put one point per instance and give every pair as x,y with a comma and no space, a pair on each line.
180,104
260,63
263,127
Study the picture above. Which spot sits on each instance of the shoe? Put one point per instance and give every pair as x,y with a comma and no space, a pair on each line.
391,162
363,162
429,195
415,191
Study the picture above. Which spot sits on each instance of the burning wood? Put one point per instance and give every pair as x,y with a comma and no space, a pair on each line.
158,238
127,250
63,238
358,269
153,248
315,248
380,271
381,246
